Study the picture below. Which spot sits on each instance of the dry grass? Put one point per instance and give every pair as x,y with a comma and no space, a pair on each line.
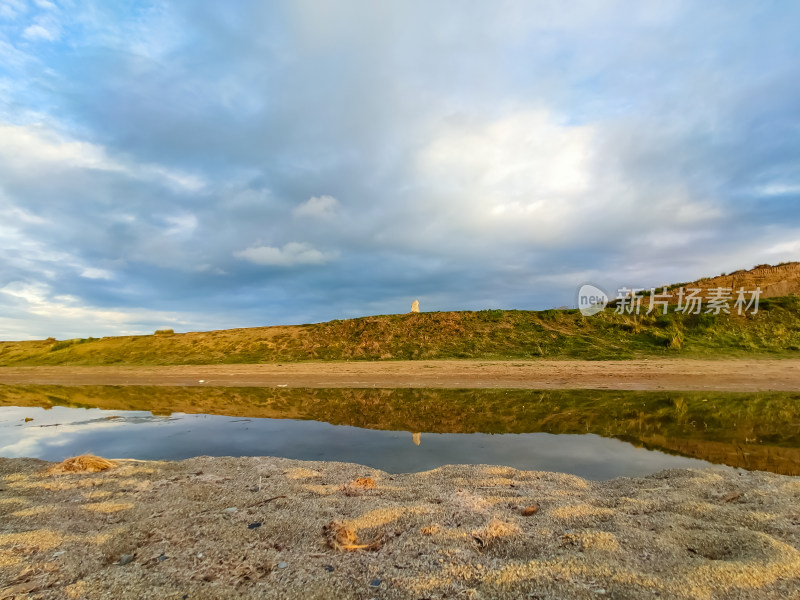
530,510
489,334
341,537
85,463
495,531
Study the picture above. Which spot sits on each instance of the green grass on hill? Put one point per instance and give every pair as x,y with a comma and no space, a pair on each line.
488,334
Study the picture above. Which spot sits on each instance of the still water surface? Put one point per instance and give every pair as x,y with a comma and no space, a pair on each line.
593,434
61,432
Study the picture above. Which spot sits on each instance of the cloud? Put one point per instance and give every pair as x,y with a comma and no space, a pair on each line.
292,254
181,225
37,149
520,171
496,158
317,207
39,32
33,311
779,189
11,9
92,273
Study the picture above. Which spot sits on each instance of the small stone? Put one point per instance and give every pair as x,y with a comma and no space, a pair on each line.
375,583
59,553
125,559
282,565
254,525
329,568
162,558
232,509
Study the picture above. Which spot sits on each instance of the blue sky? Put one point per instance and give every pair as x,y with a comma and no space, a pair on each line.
203,165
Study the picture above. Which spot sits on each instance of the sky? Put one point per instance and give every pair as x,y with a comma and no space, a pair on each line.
207,165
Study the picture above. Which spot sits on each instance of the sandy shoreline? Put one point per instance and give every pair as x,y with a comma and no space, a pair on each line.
268,527
190,530
746,375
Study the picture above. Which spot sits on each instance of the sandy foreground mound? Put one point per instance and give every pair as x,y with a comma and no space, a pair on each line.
277,528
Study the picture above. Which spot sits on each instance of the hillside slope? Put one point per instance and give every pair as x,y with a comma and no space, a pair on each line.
492,334
778,280
489,334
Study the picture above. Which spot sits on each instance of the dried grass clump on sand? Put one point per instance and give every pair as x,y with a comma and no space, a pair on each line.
341,537
494,531
85,463
358,486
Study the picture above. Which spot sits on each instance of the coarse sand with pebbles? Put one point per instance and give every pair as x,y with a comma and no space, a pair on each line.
276,528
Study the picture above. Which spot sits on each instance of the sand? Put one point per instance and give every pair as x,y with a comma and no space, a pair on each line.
277,528
742,375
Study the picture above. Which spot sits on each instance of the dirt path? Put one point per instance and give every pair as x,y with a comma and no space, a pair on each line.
673,374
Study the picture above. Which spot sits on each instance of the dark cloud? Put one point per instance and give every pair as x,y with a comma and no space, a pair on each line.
153,156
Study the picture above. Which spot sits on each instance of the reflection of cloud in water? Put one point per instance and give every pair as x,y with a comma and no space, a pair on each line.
141,435
58,427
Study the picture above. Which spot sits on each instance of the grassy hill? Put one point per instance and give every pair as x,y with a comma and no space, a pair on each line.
492,334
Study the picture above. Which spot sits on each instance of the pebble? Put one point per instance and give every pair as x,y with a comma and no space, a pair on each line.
329,568
232,509
375,583
254,525
125,559
282,565
59,553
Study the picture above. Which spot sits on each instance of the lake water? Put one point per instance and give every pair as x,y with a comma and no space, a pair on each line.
593,434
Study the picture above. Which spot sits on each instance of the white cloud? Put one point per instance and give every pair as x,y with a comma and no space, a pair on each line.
181,225
529,178
292,254
524,169
33,311
38,32
37,149
788,249
779,189
318,207
11,9
93,273
524,156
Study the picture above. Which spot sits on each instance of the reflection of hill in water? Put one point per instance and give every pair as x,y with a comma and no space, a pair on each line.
755,431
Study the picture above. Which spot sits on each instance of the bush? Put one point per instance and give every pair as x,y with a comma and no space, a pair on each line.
164,332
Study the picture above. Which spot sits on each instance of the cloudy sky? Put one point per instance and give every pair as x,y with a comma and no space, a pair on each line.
203,165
